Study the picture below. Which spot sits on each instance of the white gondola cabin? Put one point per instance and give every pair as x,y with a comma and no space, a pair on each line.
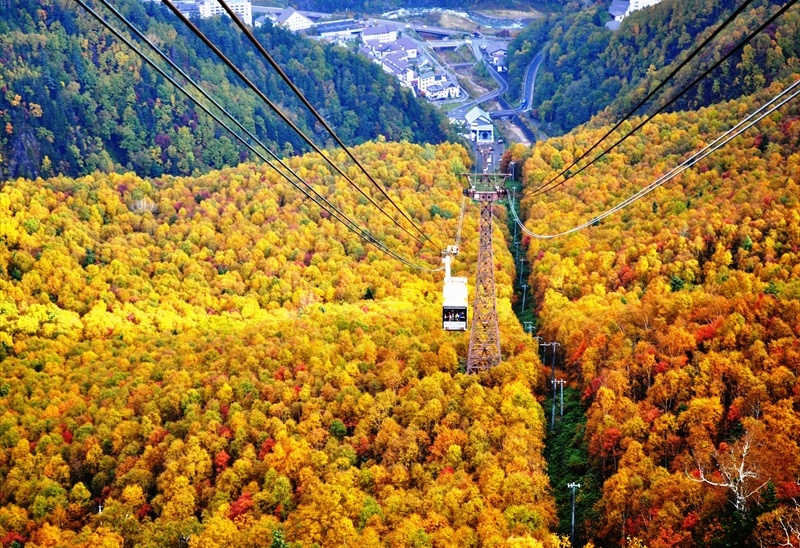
454,296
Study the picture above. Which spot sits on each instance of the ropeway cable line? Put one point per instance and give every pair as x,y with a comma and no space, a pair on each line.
318,199
197,32
742,126
652,93
742,43
310,107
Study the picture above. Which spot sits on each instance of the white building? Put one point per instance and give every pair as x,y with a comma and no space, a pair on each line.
408,46
428,79
397,65
346,30
620,9
242,8
438,86
496,54
480,125
637,5
381,33
293,20
209,8
446,90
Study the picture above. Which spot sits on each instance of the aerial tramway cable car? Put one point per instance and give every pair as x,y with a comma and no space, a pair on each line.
454,296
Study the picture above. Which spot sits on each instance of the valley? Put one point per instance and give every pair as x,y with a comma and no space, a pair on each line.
217,335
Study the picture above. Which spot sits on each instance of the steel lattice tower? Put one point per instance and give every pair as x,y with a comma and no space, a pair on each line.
484,342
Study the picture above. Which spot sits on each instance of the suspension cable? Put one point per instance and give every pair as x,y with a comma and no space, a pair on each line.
360,232
317,198
669,77
742,43
310,107
197,32
461,220
710,148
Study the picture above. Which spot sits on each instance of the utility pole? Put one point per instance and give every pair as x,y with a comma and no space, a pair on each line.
561,383
573,486
529,328
553,380
484,343
521,267
554,344
524,290
515,234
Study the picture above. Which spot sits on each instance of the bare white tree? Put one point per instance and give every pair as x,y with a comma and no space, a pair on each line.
144,204
787,530
791,528
738,473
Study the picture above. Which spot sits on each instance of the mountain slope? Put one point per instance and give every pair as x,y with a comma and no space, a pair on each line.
216,358
678,320
75,100
588,68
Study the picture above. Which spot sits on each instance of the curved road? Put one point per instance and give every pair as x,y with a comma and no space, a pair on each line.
527,88
528,85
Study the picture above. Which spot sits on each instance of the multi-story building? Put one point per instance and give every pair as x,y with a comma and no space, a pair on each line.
407,46
446,90
242,8
397,65
620,9
293,20
437,86
345,30
380,33
480,125
392,56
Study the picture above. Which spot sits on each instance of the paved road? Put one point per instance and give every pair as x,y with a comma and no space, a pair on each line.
528,85
440,44
400,26
495,94
530,77
419,28
435,30
309,14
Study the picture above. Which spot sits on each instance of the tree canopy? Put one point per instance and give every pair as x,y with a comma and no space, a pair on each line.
678,322
213,359
73,99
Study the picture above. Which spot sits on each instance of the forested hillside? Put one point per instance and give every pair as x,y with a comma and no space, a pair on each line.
74,100
587,67
678,320
215,359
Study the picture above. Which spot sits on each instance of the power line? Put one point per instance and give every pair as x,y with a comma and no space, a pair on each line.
197,32
311,108
743,42
742,126
318,199
652,93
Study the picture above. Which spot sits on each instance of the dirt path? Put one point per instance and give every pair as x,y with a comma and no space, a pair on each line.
513,132
512,14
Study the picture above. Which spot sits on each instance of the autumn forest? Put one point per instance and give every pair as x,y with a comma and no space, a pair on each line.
198,356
